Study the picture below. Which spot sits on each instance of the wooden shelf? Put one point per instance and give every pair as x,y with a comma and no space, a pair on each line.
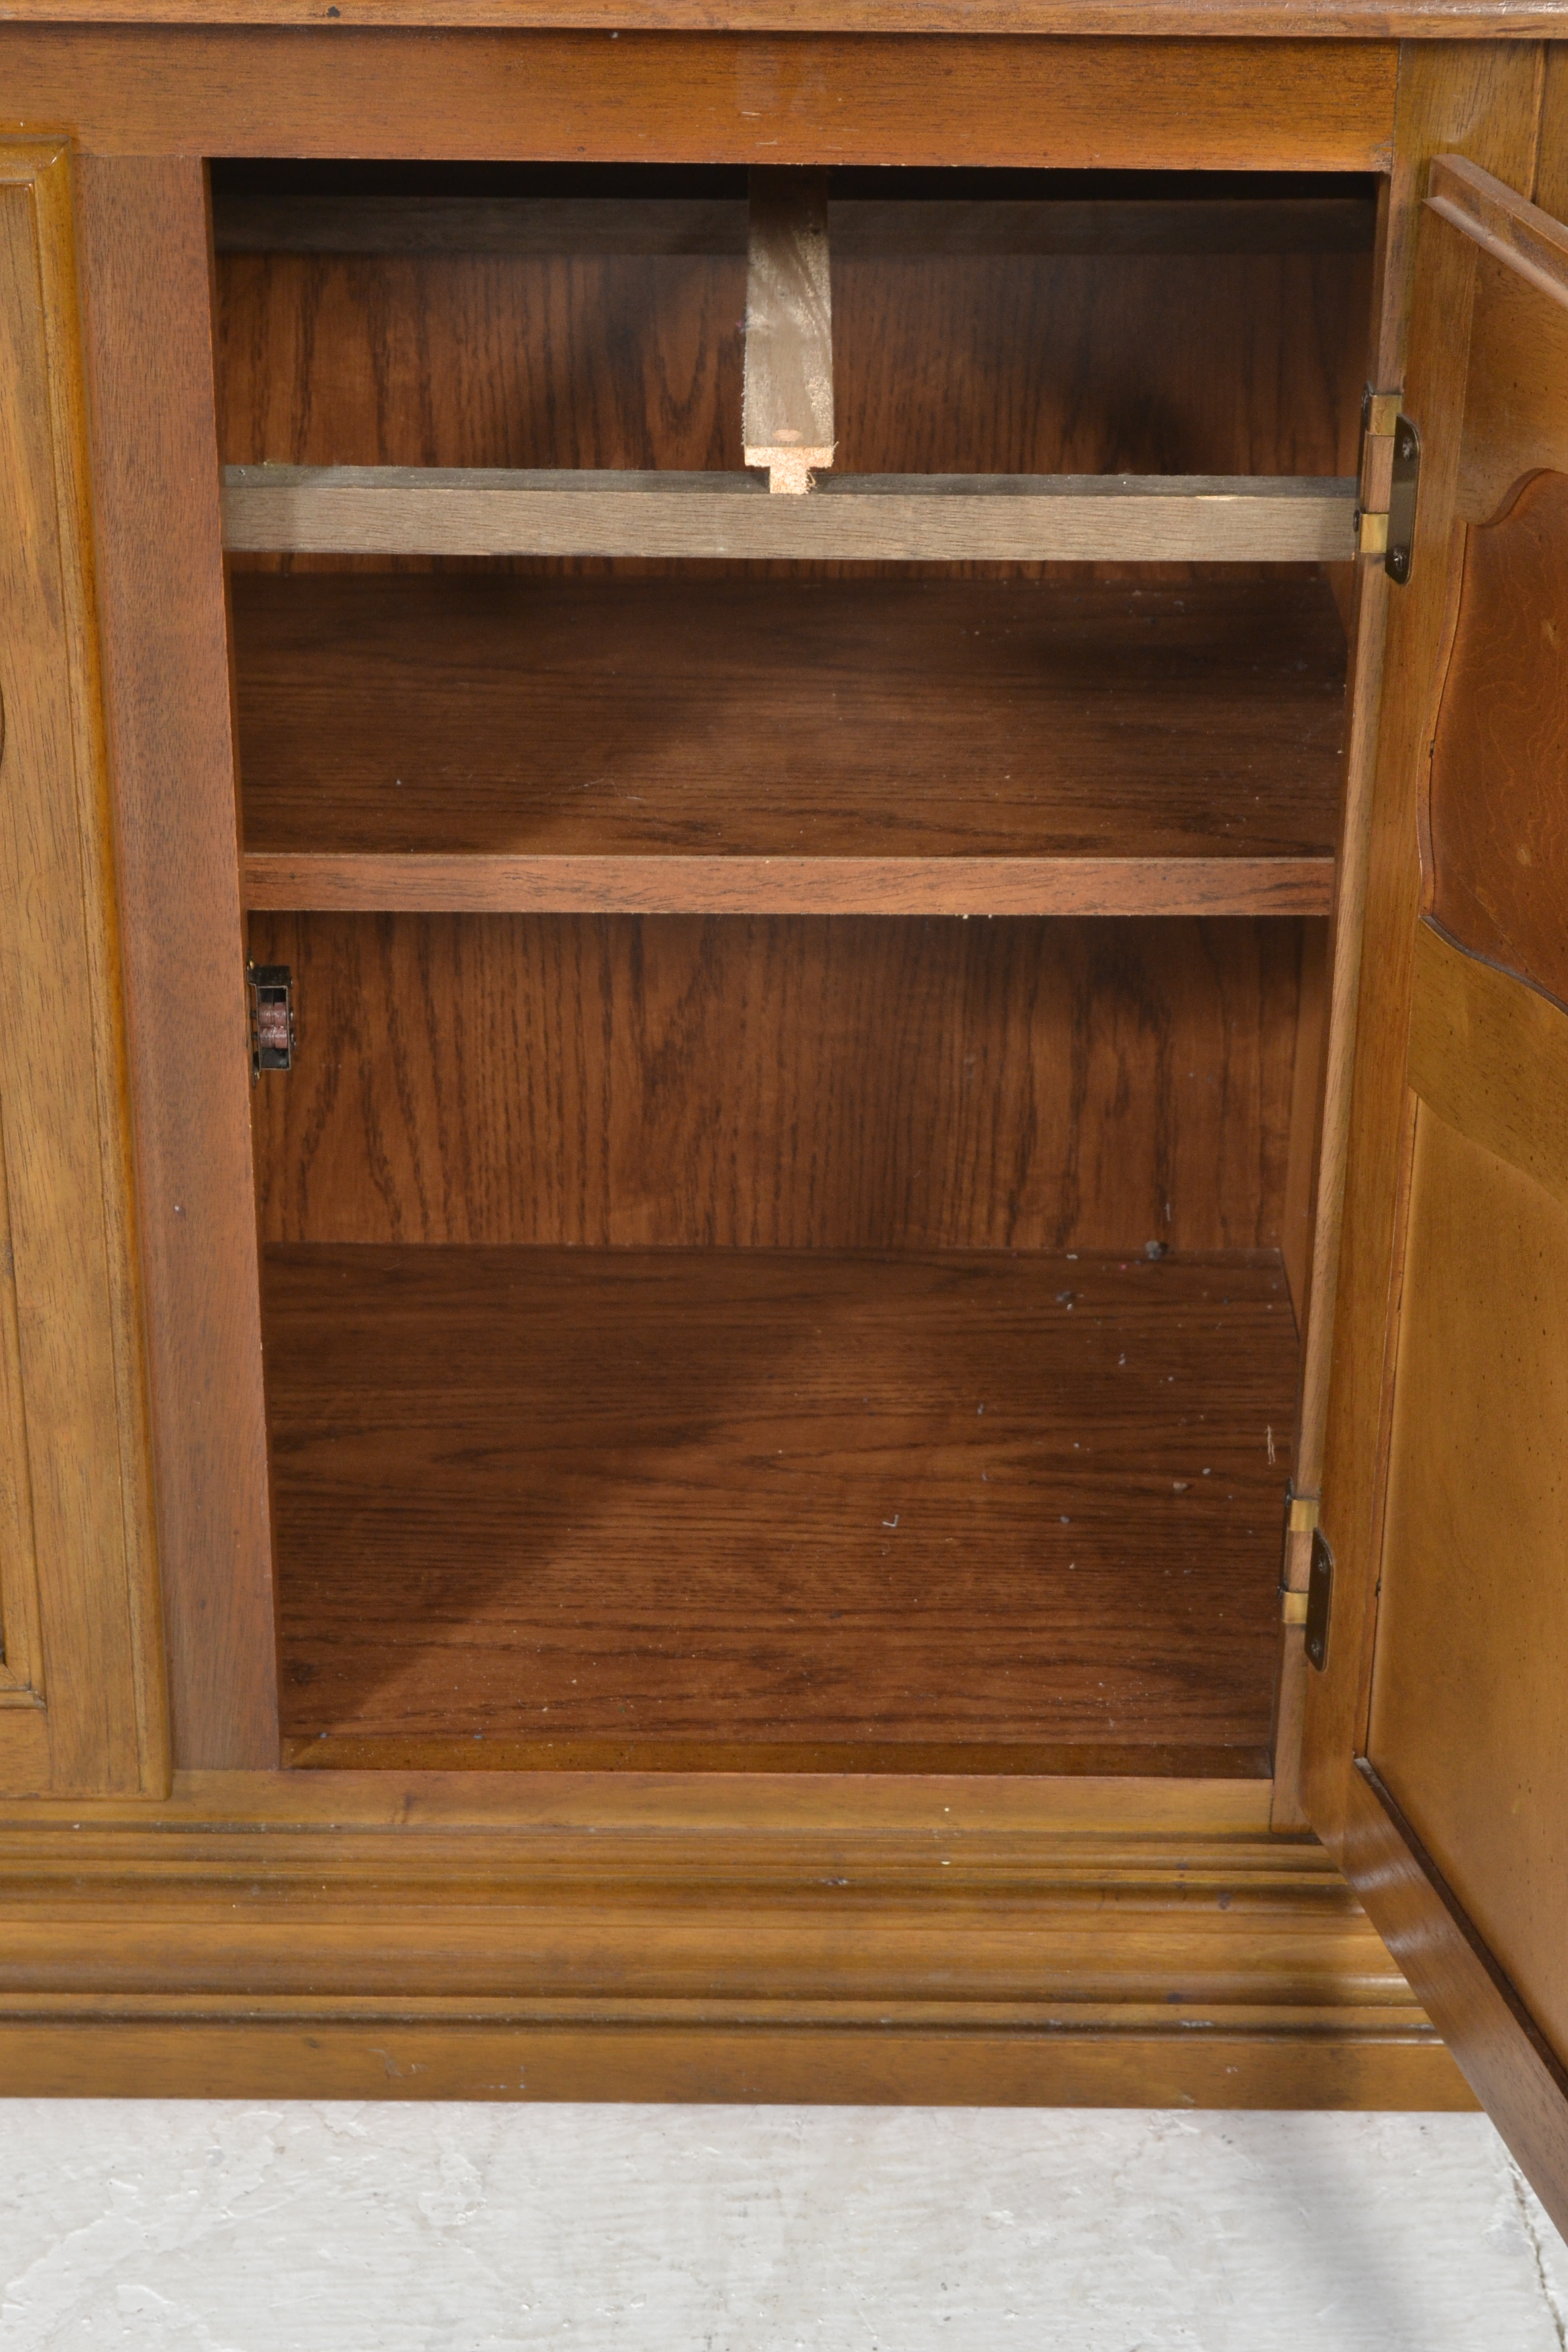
763,1509
903,518
470,743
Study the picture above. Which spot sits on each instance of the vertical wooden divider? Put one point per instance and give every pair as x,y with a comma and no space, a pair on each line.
147,287
787,408
81,1695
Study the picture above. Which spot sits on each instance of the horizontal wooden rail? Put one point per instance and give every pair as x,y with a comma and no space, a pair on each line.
944,518
300,880
861,227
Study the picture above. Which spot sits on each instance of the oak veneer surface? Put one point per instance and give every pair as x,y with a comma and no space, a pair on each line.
913,722
580,1502
651,97
802,1083
1498,811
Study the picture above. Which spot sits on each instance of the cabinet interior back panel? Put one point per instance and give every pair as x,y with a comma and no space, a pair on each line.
787,1083
1104,363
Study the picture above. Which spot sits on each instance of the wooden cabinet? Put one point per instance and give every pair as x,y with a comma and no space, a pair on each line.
875,1411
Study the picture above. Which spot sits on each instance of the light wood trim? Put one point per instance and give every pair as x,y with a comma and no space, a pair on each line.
860,229
787,399
300,881
147,293
707,1936
1084,1810
394,2049
1264,20
1091,1817
414,510
1519,2081
68,1179
663,96
21,1650
1503,224
1490,1053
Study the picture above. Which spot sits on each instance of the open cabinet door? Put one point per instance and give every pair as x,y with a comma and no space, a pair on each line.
81,1698
1454,1631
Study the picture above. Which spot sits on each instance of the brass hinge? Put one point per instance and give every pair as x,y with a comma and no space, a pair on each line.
1309,1605
1300,1512
1300,1519
270,989
1390,478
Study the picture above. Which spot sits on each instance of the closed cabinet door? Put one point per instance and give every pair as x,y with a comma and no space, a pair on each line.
80,1685
1453,1799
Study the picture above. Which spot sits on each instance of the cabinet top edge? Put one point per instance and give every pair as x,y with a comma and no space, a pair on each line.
1324,20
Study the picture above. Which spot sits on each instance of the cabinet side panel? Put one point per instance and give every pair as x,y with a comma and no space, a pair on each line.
80,1593
147,280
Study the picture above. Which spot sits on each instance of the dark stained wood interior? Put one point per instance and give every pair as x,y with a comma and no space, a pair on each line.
1173,363
852,1083
751,720
768,1508
1497,827
847,1341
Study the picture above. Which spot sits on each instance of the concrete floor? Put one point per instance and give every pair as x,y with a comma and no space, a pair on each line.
316,2227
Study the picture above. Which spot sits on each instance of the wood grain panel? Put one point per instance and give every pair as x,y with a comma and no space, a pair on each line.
1467,1727
81,1704
147,293
757,736
1496,810
666,97
1551,188
835,1083
1516,415
1247,363
1490,1055
561,1497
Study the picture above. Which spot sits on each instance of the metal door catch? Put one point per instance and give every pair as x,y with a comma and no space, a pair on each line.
270,987
1385,521
1320,1600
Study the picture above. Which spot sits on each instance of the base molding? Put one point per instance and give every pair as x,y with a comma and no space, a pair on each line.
405,2058
700,1937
